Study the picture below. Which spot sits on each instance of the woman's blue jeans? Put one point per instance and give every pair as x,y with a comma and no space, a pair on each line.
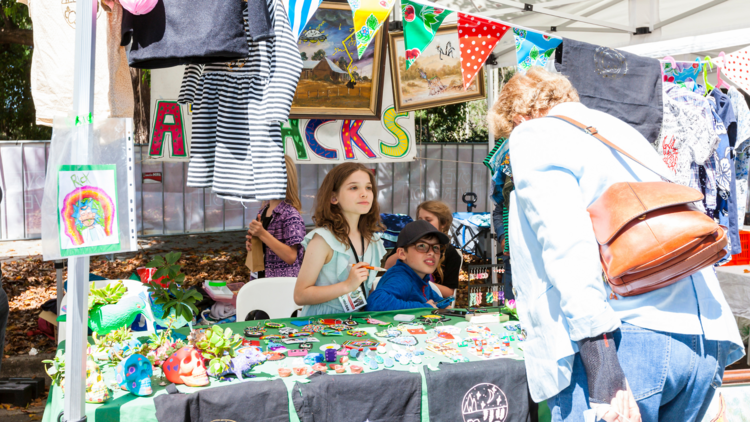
673,376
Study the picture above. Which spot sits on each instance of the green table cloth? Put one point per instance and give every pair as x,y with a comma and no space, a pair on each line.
127,407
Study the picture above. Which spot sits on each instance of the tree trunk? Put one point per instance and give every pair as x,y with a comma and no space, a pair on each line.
142,100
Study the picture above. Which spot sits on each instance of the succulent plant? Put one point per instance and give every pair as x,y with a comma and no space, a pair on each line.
219,346
109,295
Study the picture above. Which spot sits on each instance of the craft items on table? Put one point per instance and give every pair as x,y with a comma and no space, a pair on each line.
96,389
374,321
356,369
306,346
389,333
350,322
274,325
298,334
288,331
106,318
297,352
404,340
301,323
416,331
300,340
330,346
313,328
272,337
339,327
331,333
274,356
313,358
319,367
361,345
357,333
134,374
255,332
185,366
328,321
330,355
284,372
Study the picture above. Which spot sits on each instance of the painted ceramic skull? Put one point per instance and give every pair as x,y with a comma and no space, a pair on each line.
96,389
134,374
185,366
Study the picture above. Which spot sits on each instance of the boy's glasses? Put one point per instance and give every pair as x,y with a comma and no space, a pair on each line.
425,247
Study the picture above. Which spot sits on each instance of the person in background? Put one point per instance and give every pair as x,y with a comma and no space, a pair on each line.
334,278
4,307
440,216
657,356
281,229
406,284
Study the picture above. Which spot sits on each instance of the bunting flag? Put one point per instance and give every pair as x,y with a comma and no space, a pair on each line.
369,16
421,22
300,12
477,37
738,68
533,49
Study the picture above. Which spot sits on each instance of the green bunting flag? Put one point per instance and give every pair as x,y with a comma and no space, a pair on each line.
421,22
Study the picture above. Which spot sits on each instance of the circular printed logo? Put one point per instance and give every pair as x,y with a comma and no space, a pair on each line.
610,63
484,403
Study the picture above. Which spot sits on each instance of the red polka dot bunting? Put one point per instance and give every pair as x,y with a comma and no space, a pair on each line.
738,68
477,37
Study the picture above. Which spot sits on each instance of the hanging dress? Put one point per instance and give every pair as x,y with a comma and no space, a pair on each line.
236,147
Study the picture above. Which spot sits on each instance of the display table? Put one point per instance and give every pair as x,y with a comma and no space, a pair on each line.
128,407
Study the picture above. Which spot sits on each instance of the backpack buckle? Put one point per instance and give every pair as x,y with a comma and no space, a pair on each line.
591,130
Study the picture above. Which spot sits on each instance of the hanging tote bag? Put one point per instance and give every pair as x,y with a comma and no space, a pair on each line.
650,234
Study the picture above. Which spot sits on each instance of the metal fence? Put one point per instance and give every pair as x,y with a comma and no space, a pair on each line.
441,171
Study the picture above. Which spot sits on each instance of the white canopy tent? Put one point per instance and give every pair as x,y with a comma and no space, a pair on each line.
681,28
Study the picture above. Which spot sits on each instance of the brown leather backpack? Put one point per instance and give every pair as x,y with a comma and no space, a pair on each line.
650,234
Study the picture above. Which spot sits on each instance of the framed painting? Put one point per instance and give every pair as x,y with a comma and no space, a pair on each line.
334,83
435,78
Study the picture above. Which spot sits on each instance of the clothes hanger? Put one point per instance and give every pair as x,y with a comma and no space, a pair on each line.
671,61
709,87
720,82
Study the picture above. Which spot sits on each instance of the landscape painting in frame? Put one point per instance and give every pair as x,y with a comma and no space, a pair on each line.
435,77
334,83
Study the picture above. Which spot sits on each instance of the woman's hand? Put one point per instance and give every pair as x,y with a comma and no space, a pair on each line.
256,229
248,242
624,408
357,275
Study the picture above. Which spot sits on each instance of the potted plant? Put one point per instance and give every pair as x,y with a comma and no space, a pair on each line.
218,346
108,310
169,298
57,370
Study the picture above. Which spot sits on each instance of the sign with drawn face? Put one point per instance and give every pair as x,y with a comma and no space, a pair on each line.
87,209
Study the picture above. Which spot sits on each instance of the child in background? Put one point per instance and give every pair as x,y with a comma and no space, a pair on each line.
440,216
281,229
333,278
406,285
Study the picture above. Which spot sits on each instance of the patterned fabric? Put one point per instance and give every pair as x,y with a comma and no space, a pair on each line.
477,37
738,68
742,151
369,16
236,147
533,49
287,227
421,22
300,12
682,72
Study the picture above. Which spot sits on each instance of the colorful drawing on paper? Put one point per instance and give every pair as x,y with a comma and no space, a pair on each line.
87,210
168,129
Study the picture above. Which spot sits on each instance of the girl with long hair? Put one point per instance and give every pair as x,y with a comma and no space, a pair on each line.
281,229
333,278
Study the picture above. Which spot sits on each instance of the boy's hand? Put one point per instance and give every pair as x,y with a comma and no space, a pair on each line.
432,303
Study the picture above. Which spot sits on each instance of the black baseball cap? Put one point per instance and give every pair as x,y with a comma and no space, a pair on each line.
416,230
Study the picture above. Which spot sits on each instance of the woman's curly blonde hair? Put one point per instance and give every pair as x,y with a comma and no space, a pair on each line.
529,95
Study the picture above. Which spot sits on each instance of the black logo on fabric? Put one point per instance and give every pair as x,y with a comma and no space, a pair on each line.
484,403
610,63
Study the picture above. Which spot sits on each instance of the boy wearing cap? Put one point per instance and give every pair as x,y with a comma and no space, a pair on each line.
406,285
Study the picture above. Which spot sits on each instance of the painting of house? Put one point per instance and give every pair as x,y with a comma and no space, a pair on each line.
334,81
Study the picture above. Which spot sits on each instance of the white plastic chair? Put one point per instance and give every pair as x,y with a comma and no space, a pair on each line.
134,287
273,296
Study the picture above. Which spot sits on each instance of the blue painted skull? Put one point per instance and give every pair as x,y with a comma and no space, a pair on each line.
134,374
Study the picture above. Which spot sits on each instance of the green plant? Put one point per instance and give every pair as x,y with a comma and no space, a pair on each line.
110,294
119,336
57,370
219,346
167,292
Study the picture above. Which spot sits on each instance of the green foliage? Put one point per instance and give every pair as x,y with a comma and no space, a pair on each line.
219,346
372,23
57,370
17,113
303,55
173,296
111,294
319,55
119,336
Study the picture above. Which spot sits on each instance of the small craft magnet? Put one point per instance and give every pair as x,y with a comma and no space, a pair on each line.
319,367
299,371
388,362
417,331
340,369
373,364
382,350
330,355
354,353
356,369
274,325
343,359
379,359
285,372
301,323
306,346
287,331
297,352
416,360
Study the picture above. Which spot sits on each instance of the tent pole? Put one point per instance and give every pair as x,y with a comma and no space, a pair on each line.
78,267
491,82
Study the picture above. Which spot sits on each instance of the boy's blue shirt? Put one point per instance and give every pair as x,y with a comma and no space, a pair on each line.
401,288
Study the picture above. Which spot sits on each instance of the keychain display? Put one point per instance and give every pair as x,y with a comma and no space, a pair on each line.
329,321
513,327
374,321
274,356
404,340
478,329
339,327
363,344
272,337
313,328
389,333
306,346
334,346
287,331
274,325
350,322
331,333
299,334
256,331
450,329
416,331
357,333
